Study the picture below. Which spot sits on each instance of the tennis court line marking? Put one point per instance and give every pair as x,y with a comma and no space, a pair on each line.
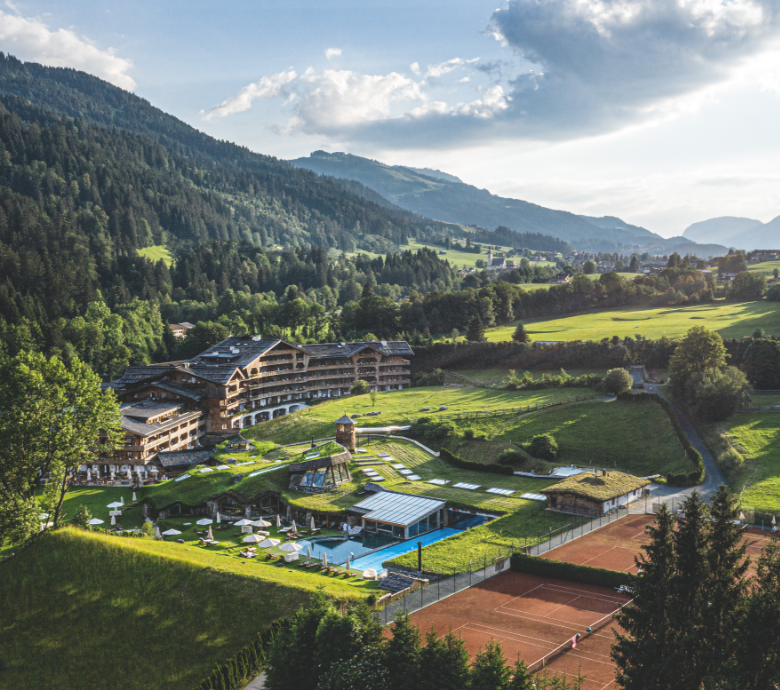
553,586
587,680
503,630
603,553
549,648
544,619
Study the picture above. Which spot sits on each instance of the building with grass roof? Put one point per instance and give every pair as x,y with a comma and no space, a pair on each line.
594,494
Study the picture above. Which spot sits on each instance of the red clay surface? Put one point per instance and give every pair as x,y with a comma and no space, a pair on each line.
614,546
532,616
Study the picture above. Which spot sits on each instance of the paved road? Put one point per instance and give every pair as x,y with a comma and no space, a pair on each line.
714,477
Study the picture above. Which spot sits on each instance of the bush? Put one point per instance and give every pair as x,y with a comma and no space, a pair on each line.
543,446
715,394
450,457
430,430
511,457
148,529
433,378
617,381
570,572
82,517
358,388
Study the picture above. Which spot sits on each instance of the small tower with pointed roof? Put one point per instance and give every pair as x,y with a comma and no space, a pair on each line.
345,432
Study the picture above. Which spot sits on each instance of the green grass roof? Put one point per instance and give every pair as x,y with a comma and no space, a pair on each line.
598,487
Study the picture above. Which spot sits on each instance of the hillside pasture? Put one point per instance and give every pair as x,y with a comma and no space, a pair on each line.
92,612
730,320
156,253
757,437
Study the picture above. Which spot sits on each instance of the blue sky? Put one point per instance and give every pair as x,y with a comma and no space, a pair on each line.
662,112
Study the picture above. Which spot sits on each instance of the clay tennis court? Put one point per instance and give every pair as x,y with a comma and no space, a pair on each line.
612,547
531,617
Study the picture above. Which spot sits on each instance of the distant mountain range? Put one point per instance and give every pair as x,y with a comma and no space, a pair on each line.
439,195
739,233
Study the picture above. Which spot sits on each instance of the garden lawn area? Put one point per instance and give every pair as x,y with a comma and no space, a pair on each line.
456,258
765,399
757,435
731,320
83,611
427,467
157,252
632,437
472,549
398,408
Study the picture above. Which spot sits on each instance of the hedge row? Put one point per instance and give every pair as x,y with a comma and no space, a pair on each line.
236,672
695,476
452,459
582,574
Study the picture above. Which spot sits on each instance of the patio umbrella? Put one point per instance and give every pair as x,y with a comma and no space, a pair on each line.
243,522
278,521
261,523
95,521
113,519
267,543
134,498
122,499
219,518
774,522
742,517
324,559
205,521
252,539
293,528
311,526
171,533
348,560
89,475
129,474
291,546
308,551
115,504
211,534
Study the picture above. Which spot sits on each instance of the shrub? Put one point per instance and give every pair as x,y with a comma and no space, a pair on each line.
543,446
716,393
82,517
430,430
617,381
358,388
148,529
433,378
511,457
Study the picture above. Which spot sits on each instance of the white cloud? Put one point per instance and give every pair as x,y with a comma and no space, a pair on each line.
29,39
599,65
415,67
332,52
266,88
336,99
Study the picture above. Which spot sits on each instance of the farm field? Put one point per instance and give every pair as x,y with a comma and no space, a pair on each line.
757,436
731,320
765,268
397,408
153,618
456,258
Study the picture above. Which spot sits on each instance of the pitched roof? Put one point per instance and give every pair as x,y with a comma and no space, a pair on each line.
142,429
385,347
345,420
598,487
328,461
177,458
397,508
137,374
237,350
149,407
176,389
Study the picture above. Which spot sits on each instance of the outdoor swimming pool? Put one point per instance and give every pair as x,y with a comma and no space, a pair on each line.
339,548
376,559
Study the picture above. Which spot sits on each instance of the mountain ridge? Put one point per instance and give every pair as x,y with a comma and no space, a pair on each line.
736,232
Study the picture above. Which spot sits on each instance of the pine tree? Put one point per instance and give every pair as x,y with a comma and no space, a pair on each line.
476,331
520,336
444,663
727,589
489,670
403,654
642,653
521,678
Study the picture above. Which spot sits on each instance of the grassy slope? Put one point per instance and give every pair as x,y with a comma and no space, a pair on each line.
89,612
757,435
729,319
456,258
398,408
157,252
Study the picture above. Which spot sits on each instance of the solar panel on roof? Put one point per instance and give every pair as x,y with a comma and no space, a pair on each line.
405,472
500,492
414,477
464,485
439,482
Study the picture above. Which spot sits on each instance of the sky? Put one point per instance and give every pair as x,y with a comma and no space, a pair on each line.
661,112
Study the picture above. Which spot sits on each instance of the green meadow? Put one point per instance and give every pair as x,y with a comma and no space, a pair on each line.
731,320
757,437
157,252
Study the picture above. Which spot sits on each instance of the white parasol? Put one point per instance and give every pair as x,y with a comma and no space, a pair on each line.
89,475
205,521
95,521
115,504
261,523
293,528
308,551
278,521
252,539
134,498
211,534
122,499
267,543
113,519
742,517
219,518
325,560
311,526
129,474
348,566
171,532
291,546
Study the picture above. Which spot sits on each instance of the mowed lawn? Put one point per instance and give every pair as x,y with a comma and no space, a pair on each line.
758,437
398,408
91,612
731,320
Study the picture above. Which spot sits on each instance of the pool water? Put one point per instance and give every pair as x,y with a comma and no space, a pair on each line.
375,560
339,548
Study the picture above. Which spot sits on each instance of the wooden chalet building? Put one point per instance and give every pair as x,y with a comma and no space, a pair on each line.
177,406
594,493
